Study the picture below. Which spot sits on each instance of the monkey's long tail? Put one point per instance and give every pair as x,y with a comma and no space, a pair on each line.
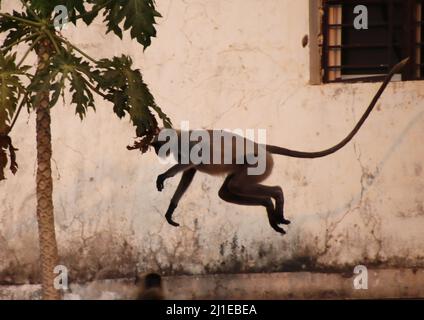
341,144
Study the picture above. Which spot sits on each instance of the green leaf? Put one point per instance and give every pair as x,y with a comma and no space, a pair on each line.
138,17
74,7
6,144
45,8
129,94
15,30
65,68
11,89
3,156
80,74
42,82
82,96
57,89
77,7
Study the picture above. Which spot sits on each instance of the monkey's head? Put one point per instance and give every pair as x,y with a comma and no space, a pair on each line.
155,143
150,139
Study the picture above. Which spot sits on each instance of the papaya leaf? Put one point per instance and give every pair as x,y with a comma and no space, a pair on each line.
81,94
75,8
138,16
11,89
6,144
42,82
16,31
79,73
129,94
65,68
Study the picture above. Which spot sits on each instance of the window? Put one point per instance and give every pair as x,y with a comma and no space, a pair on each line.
351,55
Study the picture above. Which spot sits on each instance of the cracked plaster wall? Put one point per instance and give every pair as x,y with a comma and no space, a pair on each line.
225,64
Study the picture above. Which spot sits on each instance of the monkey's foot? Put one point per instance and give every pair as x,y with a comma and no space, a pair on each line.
283,221
168,214
273,221
279,219
279,215
171,222
278,229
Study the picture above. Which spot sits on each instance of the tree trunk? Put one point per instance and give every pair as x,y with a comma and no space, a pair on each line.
46,230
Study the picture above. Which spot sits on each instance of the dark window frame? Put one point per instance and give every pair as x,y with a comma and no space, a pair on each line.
409,46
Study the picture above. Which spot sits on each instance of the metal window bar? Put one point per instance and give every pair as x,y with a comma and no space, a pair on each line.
332,47
419,44
334,39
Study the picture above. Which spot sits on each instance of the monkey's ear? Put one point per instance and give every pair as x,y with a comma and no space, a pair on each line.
157,130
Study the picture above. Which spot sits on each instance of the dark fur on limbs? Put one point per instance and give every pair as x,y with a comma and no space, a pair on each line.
238,188
227,194
185,182
243,189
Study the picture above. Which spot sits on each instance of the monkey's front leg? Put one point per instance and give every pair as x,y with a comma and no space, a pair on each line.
170,173
185,182
181,189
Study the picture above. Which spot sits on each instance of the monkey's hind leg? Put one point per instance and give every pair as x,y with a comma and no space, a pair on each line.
274,192
227,195
246,185
279,207
185,182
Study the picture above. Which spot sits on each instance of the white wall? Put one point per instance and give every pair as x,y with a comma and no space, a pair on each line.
225,64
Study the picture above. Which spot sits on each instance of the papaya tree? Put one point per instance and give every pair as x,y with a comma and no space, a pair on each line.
32,29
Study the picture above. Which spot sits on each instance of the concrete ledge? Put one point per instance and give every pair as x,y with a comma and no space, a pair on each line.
382,284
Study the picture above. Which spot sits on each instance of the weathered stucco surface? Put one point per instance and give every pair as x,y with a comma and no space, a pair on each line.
225,64
382,283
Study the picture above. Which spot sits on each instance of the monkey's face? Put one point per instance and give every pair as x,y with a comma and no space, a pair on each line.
156,145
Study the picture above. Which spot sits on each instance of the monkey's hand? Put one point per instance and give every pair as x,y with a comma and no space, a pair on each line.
169,213
159,182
